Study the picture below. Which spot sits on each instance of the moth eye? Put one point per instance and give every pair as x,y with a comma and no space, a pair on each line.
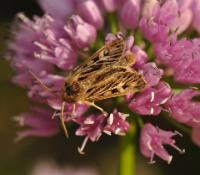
72,89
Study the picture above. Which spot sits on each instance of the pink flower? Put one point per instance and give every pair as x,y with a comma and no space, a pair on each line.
57,51
37,122
156,23
21,50
129,14
117,124
152,74
152,141
182,56
90,12
141,56
183,108
151,100
80,32
45,43
184,19
93,126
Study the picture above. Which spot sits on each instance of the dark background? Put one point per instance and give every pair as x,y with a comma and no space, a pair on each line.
18,159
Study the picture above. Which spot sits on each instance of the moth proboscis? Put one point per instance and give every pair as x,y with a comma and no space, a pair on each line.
106,74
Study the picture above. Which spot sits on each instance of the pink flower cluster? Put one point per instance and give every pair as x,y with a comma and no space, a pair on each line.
49,46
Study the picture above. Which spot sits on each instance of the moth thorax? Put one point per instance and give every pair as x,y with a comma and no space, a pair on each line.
128,59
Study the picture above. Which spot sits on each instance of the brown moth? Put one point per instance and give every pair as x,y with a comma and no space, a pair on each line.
106,74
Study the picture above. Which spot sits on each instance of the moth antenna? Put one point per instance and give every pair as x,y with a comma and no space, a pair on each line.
62,119
42,84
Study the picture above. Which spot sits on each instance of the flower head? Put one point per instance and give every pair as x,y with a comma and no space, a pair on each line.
46,48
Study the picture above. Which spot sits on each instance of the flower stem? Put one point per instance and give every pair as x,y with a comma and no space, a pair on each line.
113,23
127,152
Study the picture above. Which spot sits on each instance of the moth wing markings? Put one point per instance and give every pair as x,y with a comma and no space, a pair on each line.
123,64
118,84
124,61
115,50
97,61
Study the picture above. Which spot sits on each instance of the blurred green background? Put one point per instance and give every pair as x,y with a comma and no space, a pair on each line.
18,159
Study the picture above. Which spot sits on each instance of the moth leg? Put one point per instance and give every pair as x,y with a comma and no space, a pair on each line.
97,107
63,121
74,108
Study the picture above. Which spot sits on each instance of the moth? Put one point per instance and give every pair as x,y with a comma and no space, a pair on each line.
106,74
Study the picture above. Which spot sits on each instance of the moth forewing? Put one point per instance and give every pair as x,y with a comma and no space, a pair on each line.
106,74
114,82
107,55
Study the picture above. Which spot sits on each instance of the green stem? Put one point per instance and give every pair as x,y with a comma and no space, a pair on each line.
113,23
138,39
139,121
127,152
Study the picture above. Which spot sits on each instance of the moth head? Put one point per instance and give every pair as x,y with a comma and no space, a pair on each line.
70,91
